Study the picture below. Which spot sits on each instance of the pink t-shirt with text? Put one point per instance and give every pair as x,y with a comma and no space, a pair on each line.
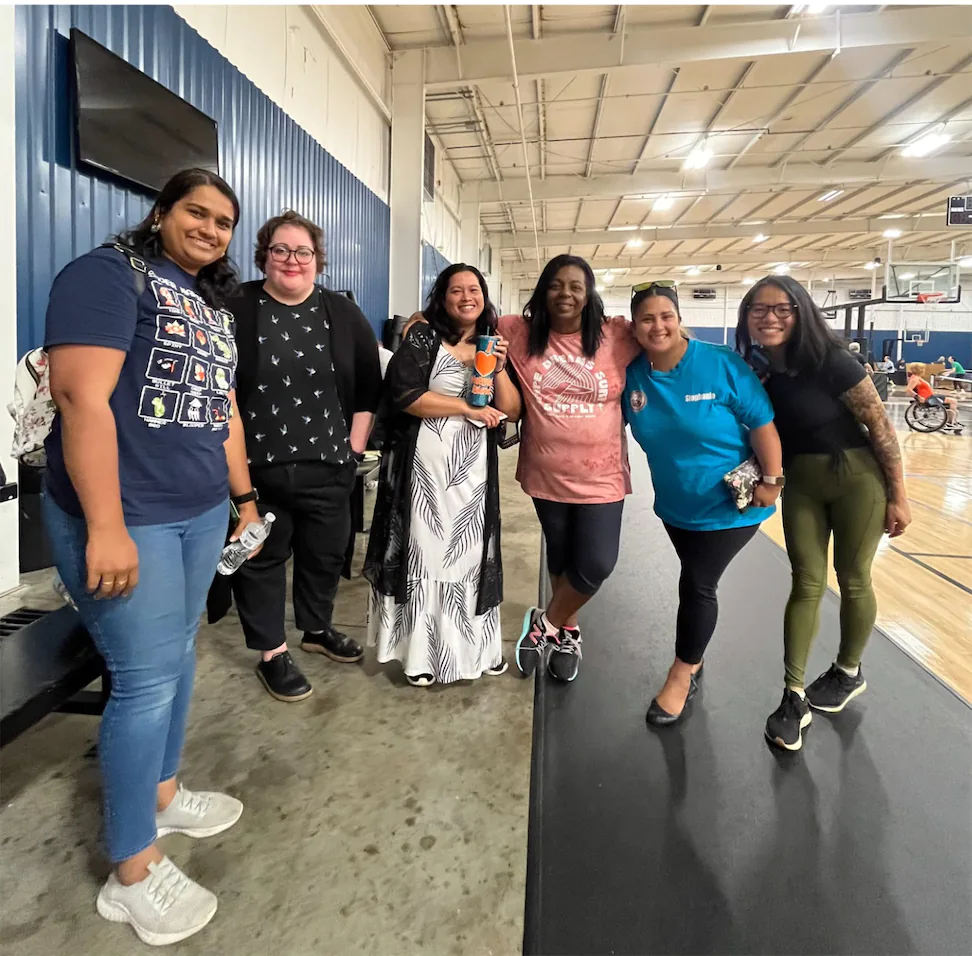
573,446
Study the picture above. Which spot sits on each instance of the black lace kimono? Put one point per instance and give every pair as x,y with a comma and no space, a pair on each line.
387,562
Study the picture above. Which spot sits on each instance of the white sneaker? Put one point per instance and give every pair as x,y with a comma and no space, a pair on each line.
202,814
163,908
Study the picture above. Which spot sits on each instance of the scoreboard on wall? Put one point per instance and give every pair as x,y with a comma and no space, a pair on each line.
959,211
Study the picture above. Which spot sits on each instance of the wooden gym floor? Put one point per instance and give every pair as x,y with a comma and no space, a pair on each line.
923,579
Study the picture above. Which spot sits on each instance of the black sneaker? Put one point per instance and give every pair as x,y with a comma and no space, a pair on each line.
532,643
283,678
785,725
565,654
833,691
339,647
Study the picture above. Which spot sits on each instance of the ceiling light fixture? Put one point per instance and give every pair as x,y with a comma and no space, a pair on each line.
870,265
906,276
965,263
693,271
663,203
699,157
608,278
599,287
635,243
927,144
892,233
782,268
760,238
828,196
748,280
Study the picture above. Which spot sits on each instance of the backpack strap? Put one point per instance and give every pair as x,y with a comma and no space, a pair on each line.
139,266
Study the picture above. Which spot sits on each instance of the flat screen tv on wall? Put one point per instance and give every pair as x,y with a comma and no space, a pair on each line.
131,126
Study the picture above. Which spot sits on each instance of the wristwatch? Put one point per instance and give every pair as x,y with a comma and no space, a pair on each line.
243,499
778,480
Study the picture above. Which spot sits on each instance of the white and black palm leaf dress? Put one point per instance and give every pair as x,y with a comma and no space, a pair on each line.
437,631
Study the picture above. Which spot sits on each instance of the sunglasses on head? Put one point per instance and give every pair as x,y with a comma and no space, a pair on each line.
666,287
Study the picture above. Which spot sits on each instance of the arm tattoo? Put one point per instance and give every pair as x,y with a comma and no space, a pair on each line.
867,407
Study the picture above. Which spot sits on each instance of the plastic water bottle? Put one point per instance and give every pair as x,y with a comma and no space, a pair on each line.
236,552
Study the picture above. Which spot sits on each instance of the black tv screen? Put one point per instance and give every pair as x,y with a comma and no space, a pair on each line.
132,126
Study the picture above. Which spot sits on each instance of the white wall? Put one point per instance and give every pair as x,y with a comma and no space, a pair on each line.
301,63
440,219
709,313
9,533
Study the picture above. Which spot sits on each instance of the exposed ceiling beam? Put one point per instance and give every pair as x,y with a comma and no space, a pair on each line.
892,114
891,170
729,260
932,223
484,60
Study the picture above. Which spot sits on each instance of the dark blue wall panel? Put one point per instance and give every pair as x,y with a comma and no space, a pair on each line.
433,262
63,211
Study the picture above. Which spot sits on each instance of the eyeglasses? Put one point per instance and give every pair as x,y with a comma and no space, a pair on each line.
782,310
302,254
670,287
644,286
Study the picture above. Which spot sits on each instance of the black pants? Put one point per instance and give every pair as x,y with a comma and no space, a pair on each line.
311,504
582,541
705,555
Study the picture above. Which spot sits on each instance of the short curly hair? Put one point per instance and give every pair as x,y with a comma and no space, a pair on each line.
288,218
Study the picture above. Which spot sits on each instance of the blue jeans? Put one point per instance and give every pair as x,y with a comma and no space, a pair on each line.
148,641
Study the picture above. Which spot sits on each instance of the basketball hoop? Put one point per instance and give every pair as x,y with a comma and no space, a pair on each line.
929,298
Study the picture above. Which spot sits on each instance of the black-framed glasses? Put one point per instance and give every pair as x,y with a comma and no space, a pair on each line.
782,310
282,253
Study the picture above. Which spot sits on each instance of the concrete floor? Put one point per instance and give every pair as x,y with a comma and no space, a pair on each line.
380,818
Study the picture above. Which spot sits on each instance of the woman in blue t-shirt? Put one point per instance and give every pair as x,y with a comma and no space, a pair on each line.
698,411
143,454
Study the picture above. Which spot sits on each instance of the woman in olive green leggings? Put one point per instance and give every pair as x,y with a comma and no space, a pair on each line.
840,480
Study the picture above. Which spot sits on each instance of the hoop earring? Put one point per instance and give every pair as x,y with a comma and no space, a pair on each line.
156,226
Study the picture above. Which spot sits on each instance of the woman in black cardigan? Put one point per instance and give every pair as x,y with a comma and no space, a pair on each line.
308,384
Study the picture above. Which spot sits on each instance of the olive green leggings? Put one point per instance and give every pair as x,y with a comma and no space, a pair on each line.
850,502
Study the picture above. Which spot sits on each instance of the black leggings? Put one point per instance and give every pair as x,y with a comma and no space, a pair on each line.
705,555
582,541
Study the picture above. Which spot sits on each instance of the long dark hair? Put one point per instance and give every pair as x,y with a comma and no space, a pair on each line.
216,282
435,310
812,338
538,318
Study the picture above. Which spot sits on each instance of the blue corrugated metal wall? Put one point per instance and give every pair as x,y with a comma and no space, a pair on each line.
433,262
63,211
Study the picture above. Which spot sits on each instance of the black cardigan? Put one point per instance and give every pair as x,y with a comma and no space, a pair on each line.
354,349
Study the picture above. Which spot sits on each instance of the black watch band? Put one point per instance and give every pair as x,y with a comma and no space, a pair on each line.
243,499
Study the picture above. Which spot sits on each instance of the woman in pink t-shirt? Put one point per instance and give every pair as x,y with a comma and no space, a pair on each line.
570,361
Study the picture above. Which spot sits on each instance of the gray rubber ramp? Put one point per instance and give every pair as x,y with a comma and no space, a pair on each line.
702,838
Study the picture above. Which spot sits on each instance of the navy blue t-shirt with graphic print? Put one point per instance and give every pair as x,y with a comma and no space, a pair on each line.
171,403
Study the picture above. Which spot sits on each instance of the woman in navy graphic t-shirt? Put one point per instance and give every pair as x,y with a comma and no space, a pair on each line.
143,455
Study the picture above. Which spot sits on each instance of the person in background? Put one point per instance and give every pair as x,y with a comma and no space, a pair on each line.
309,385
840,480
958,370
434,558
920,390
855,349
887,365
698,411
573,459
144,452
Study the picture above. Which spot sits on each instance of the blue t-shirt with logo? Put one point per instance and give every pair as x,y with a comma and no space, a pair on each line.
693,424
171,403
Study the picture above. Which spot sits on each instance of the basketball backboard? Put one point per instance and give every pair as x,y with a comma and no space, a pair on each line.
911,281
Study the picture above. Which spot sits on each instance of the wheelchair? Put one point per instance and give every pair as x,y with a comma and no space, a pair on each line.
928,416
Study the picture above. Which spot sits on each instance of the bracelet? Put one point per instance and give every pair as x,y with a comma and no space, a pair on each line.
244,498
